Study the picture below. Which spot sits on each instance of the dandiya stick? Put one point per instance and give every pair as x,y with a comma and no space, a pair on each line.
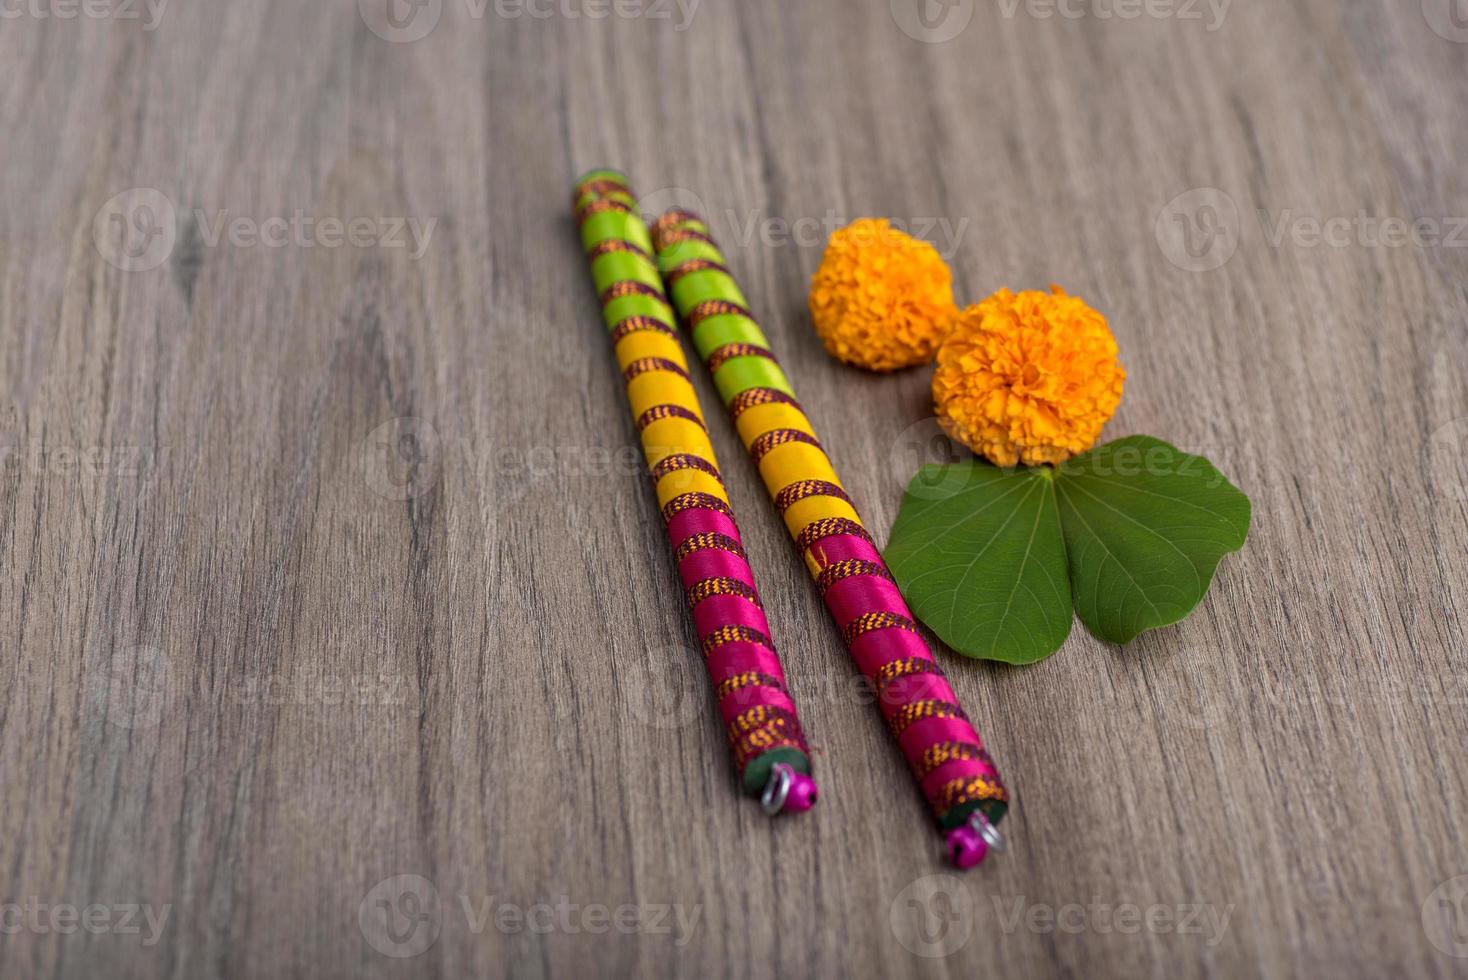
760,718
944,752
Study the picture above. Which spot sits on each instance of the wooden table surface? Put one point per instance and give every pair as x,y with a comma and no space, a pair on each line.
337,621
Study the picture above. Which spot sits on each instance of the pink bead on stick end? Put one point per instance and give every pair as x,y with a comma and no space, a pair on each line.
966,849
788,791
970,844
803,794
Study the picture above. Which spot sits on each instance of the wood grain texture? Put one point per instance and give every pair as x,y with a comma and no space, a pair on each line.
324,565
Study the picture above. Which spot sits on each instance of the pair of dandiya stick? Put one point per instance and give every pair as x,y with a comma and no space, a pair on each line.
642,277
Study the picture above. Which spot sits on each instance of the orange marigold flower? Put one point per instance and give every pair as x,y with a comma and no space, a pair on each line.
881,299
1028,377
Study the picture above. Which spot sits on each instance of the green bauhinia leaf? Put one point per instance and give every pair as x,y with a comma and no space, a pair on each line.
1145,527
978,553
1131,533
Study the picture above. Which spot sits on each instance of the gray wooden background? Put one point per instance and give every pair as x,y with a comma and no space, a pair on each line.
337,623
